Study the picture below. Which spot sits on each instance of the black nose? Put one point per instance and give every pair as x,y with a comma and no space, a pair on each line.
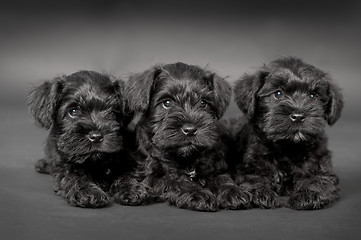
95,137
297,117
189,130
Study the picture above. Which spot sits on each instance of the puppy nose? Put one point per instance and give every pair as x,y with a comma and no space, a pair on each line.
95,137
189,130
297,117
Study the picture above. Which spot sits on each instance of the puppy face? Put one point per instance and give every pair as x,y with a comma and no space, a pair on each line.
84,111
182,107
292,107
181,116
289,100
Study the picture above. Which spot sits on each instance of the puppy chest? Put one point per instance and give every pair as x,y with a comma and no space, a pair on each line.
287,167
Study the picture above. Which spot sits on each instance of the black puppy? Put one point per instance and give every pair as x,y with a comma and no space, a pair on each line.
283,145
86,150
182,144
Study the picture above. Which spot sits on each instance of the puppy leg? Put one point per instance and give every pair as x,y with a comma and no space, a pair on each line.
195,199
315,192
78,190
184,193
261,188
126,190
42,166
229,195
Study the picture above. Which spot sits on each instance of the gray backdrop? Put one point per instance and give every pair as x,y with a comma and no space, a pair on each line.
42,39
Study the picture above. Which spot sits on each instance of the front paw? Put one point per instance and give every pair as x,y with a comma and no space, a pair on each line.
88,197
132,195
311,200
199,200
265,198
233,197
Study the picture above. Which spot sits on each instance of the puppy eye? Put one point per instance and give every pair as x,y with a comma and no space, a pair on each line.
313,95
278,94
167,104
74,112
203,104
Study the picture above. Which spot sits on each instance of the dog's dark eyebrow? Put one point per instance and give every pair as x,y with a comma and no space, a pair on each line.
164,95
277,80
161,81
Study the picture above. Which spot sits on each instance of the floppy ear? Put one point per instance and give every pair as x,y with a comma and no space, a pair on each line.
42,101
118,86
245,92
222,94
335,104
138,89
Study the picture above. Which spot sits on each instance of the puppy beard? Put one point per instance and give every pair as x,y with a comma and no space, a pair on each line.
169,137
74,143
278,126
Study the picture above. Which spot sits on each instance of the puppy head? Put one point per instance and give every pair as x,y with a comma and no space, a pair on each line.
85,112
289,100
181,103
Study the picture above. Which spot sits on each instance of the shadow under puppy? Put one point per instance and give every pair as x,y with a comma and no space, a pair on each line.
287,104
180,139
86,151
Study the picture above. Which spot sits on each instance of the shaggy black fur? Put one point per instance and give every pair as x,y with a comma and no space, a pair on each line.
86,151
182,144
287,104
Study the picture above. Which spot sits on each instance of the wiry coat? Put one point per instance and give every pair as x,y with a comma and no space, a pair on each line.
282,147
182,146
87,150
